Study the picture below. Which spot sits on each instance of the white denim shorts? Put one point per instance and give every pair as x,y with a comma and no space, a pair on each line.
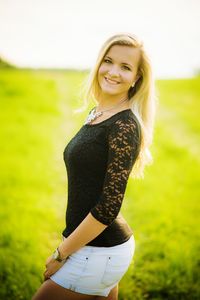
95,270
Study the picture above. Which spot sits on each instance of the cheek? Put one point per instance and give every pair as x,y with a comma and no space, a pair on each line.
102,70
128,78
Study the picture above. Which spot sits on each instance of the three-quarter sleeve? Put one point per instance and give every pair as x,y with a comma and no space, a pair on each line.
123,148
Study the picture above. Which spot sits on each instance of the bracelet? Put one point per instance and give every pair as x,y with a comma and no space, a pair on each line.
62,259
56,255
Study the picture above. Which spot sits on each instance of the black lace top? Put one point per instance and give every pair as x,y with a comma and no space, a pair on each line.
98,160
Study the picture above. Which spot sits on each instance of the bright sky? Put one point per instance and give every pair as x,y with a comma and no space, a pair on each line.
62,33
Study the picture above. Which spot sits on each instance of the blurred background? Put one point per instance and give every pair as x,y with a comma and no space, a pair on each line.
46,51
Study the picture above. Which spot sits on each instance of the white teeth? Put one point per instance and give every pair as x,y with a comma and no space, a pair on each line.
110,81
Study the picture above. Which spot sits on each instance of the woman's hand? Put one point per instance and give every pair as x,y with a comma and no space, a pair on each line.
52,266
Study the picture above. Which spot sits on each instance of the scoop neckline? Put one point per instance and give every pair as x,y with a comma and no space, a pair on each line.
91,125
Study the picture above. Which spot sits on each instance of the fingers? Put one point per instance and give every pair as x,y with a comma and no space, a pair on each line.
46,275
51,268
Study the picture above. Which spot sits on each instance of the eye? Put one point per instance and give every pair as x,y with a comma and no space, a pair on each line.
107,60
126,68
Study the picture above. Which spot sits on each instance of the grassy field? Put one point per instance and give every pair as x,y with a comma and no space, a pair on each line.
163,209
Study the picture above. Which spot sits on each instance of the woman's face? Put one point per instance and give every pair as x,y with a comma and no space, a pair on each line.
118,70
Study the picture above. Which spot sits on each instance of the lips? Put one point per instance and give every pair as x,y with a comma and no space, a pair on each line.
111,81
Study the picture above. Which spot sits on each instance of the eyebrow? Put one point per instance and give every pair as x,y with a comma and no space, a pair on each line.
123,63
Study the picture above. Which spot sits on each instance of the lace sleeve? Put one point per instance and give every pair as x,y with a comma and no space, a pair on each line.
123,143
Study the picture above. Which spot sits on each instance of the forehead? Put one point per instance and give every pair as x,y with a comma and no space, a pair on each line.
125,54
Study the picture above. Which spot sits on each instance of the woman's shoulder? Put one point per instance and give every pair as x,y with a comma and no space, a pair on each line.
125,117
125,125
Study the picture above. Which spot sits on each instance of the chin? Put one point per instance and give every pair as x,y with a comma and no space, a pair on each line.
110,91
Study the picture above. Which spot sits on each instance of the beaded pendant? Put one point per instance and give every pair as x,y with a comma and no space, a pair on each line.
92,116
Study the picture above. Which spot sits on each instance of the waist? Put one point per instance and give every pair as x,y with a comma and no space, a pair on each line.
115,234
130,243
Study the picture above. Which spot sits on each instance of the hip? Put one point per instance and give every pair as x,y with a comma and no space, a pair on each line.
95,270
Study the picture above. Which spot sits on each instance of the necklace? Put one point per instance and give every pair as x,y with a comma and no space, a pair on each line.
94,115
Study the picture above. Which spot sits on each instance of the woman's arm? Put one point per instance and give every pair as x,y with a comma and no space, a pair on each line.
87,230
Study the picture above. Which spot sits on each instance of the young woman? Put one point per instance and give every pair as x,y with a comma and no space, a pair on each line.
113,143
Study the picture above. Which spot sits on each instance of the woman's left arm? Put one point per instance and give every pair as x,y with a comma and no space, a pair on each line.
87,230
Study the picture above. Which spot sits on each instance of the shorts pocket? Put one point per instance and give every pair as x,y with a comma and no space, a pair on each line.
75,266
116,267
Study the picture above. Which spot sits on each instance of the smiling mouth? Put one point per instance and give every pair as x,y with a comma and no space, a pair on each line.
111,81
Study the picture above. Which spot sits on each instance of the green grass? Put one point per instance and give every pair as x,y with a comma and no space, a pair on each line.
163,209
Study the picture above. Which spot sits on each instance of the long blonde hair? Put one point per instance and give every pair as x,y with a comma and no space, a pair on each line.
142,97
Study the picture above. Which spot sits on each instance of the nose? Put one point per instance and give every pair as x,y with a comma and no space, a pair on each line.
113,71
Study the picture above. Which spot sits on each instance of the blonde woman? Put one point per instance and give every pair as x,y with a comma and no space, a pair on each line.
98,245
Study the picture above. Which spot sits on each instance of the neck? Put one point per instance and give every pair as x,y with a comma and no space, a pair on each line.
113,102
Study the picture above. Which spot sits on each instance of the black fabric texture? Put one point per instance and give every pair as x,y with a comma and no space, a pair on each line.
98,160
